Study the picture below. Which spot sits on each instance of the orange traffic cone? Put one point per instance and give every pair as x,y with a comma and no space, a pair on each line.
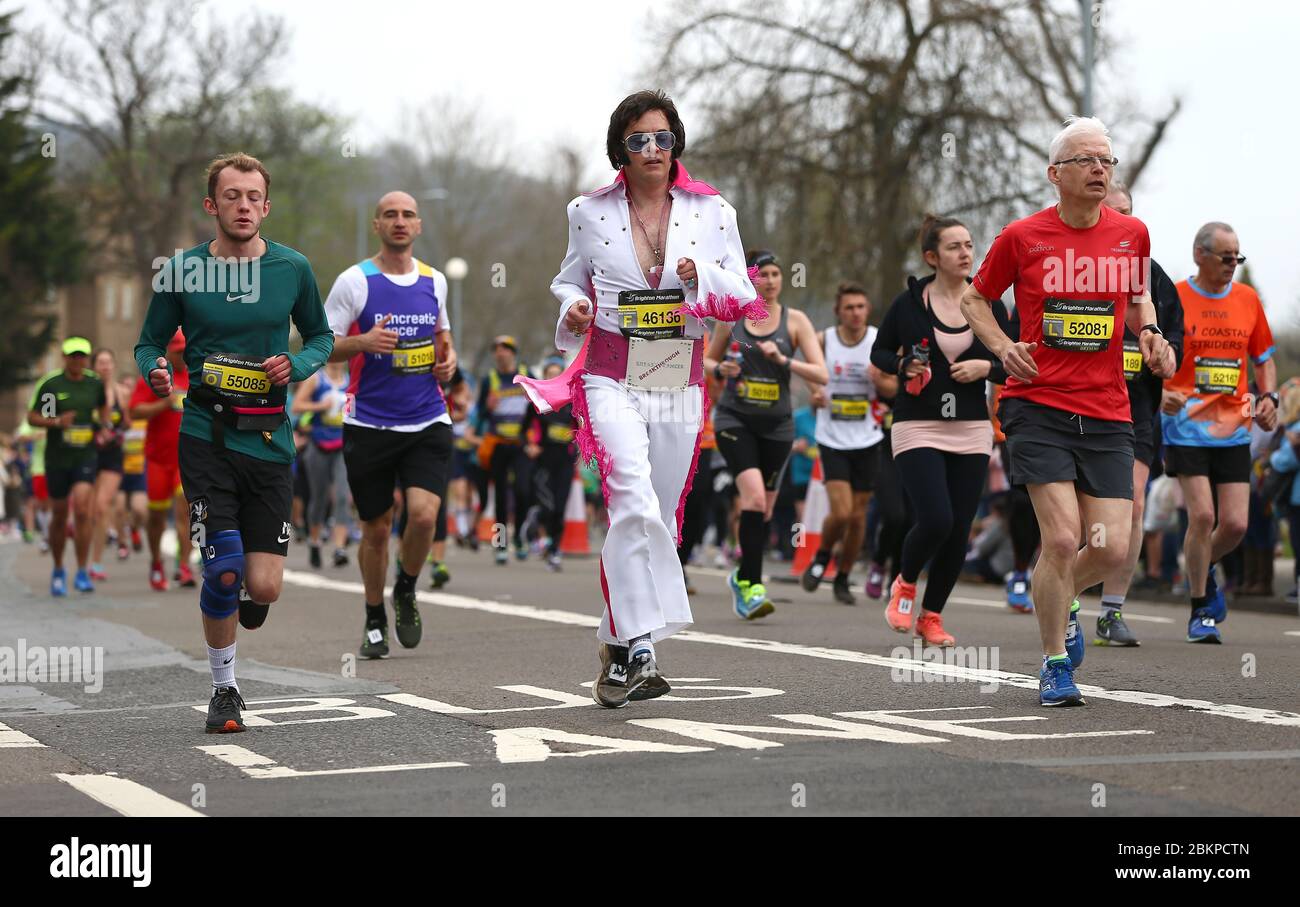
816,507
575,539
486,520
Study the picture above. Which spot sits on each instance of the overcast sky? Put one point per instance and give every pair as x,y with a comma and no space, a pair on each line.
552,72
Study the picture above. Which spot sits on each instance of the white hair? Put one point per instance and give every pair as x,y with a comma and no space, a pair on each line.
1077,128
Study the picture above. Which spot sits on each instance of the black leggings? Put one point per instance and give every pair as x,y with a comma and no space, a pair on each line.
1022,523
507,459
555,466
945,490
695,519
894,514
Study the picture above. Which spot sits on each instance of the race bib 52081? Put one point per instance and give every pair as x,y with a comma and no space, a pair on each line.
1077,325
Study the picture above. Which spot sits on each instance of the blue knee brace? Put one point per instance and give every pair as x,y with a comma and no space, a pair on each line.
224,555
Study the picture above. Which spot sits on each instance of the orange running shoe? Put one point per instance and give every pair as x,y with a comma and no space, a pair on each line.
902,599
157,578
929,626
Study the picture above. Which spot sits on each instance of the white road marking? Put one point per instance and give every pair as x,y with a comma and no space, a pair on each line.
962,727
128,797
257,766
551,615
1150,758
1087,612
561,700
1291,633
351,711
528,744
12,739
737,735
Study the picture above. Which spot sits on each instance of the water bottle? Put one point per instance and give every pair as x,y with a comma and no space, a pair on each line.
736,355
921,354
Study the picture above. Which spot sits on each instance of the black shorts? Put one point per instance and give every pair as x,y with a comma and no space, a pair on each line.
1144,441
109,459
1050,445
380,460
60,479
857,467
742,449
1221,465
231,490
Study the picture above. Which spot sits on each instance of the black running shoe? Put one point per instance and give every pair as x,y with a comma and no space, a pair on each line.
840,589
251,614
374,642
314,557
610,688
644,680
409,630
340,557
223,712
812,577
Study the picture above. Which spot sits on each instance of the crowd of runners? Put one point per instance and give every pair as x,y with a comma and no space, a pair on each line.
685,402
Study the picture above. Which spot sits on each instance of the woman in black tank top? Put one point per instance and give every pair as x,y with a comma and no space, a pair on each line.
108,476
753,420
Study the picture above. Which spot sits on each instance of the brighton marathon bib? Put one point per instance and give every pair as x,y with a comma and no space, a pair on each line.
1132,359
332,419
1076,325
559,434
850,407
178,401
759,391
78,435
1217,376
651,314
659,364
413,356
239,392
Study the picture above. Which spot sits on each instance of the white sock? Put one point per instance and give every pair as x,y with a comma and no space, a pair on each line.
222,663
639,645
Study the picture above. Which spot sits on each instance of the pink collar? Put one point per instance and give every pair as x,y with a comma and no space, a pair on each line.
683,181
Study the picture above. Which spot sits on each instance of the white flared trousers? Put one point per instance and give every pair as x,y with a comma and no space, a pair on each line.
651,439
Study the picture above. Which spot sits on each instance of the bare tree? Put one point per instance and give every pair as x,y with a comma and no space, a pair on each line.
836,125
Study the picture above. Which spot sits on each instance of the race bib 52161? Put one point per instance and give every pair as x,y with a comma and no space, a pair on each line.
1217,376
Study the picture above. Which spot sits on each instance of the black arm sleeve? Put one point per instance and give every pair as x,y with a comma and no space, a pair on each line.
1169,310
997,374
884,352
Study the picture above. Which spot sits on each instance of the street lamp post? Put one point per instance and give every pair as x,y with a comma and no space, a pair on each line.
456,269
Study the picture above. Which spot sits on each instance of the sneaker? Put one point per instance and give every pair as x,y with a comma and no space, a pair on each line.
1056,684
555,563
251,614
502,557
756,602
439,576
1203,627
409,630
1074,641
81,582
185,576
521,551
840,589
123,552
929,626
97,573
1018,593
1112,631
314,557
610,688
875,587
1293,597
374,641
157,577
137,543
739,593
223,712
59,583
643,678
341,558
902,598
812,577
1214,598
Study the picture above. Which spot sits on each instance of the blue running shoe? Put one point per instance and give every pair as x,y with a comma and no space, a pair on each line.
1214,599
1056,684
1018,593
739,594
1203,627
59,583
756,602
82,582
1075,644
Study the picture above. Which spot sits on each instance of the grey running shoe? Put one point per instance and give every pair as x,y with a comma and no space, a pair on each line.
610,688
223,712
374,642
1112,631
409,630
643,678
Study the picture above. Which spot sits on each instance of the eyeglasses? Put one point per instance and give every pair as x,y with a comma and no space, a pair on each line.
638,141
1089,161
1228,258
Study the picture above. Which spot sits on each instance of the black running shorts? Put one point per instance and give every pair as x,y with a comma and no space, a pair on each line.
227,489
857,467
1049,445
381,460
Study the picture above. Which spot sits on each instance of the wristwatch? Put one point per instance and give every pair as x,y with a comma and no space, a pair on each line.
1154,328
1275,397
717,371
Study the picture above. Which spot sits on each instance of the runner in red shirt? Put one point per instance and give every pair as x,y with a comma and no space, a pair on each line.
162,469
1079,270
